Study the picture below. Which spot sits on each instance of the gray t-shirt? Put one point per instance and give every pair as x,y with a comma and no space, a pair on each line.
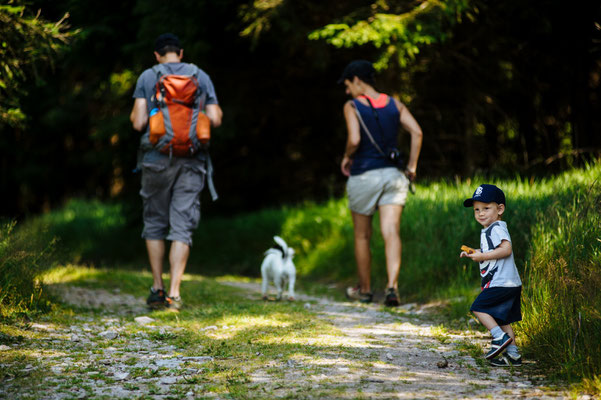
504,269
146,88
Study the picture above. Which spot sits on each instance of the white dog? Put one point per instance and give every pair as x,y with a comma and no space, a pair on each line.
278,267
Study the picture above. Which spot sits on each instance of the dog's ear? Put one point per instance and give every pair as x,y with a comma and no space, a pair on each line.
281,242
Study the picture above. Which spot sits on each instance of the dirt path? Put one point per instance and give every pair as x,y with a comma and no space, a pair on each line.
411,358
113,355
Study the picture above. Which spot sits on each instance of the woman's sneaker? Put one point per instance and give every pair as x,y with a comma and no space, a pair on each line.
354,293
173,303
507,360
156,299
498,345
392,298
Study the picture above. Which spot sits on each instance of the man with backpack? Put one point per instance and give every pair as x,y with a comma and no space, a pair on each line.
175,105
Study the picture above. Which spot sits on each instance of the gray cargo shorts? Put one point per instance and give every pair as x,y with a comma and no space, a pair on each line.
171,198
376,187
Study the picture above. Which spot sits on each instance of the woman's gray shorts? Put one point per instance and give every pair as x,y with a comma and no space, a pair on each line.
376,187
171,197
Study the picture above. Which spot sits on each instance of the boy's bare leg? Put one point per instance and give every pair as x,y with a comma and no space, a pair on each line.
390,225
486,320
156,253
178,257
363,230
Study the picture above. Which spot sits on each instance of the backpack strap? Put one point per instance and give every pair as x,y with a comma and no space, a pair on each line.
204,155
201,95
196,109
159,70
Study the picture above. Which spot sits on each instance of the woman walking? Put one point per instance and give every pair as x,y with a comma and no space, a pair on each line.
378,180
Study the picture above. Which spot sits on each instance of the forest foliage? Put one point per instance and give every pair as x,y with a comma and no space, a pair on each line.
499,88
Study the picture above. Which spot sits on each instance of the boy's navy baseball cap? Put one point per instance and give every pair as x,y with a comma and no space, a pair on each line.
166,39
362,69
486,194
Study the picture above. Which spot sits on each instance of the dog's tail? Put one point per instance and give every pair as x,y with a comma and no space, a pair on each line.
281,246
281,242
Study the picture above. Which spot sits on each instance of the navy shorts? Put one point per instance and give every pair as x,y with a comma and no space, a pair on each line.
501,303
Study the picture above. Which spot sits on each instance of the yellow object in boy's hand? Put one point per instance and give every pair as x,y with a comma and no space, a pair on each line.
468,250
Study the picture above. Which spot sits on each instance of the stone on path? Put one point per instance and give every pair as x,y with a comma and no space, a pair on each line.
144,320
110,335
209,328
121,376
198,359
40,327
168,380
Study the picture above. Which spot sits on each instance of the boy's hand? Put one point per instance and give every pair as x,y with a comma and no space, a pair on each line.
467,249
473,254
477,256
502,251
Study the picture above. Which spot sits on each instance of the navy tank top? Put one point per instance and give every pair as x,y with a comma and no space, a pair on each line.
367,157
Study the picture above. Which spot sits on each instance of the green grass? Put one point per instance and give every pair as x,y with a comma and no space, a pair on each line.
563,302
554,224
23,256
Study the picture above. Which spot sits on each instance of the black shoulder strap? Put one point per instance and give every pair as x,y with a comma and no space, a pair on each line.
376,116
371,138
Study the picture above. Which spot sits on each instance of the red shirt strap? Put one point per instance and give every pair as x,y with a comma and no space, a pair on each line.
380,102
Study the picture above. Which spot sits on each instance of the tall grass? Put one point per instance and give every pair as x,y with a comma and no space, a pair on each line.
562,301
92,232
22,258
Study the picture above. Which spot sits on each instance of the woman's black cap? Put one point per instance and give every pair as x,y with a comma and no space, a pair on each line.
362,69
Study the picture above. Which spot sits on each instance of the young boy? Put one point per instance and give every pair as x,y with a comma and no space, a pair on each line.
498,305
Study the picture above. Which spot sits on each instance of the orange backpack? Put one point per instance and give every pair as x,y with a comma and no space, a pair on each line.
177,125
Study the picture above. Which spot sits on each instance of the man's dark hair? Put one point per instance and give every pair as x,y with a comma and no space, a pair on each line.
168,49
167,43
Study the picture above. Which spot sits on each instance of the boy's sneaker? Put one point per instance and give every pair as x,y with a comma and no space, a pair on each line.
497,346
354,293
507,360
173,303
392,298
156,299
